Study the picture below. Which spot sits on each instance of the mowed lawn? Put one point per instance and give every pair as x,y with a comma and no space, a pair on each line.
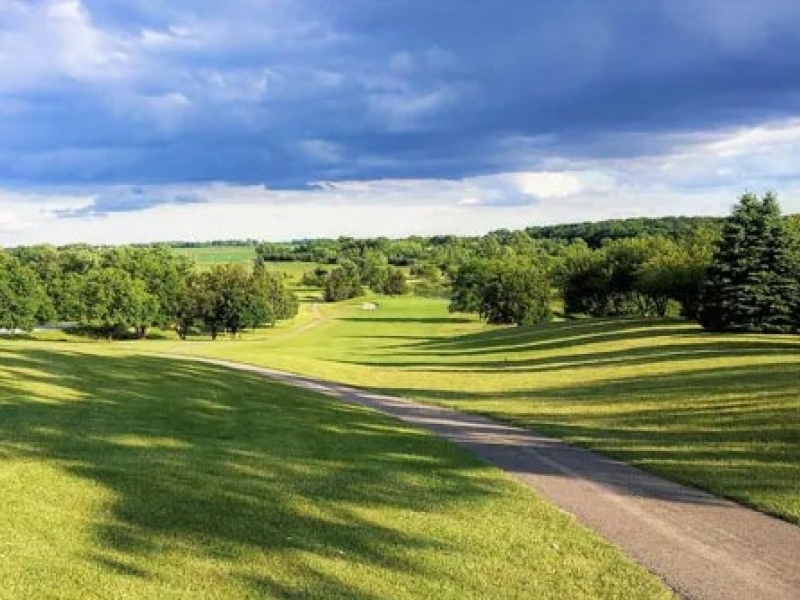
720,412
130,476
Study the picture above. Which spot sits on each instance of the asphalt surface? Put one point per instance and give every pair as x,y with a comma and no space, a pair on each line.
701,546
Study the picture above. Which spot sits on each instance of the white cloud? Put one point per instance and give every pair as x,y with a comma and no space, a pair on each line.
703,176
236,85
24,214
149,75
43,41
772,138
405,111
175,35
548,185
321,150
753,157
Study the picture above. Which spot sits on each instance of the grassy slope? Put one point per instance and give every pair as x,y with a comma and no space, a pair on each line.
721,412
124,475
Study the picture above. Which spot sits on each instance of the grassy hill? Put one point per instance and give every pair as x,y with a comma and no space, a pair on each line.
721,412
131,476
151,477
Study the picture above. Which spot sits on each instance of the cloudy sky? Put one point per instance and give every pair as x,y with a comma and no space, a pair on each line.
137,120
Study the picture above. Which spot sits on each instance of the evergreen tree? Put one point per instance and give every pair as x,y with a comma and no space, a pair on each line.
752,281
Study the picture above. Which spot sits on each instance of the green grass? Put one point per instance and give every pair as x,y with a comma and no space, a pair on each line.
131,476
720,412
292,270
206,256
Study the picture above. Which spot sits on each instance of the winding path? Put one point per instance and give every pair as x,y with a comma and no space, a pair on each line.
701,546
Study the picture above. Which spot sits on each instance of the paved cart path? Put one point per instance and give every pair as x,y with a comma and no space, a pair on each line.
700,545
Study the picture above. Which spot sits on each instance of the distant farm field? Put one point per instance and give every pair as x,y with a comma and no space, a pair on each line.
206,256
720,412
128,476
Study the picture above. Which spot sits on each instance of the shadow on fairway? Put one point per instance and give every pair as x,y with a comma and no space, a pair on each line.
556,336
733,431
210,462
649,355
400,319
659,393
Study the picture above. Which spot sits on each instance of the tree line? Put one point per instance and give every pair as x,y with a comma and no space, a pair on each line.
111,291
741,273
738,273
452,249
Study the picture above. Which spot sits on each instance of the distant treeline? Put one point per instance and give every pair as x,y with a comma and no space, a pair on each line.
738,273
111,291
446,248
596,233
735,273
741,273
211,244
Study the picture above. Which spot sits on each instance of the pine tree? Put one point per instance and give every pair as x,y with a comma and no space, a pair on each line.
752,283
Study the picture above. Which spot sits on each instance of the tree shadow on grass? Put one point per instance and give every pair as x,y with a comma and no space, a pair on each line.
733,431
555,336
399,319
218,464
649,355
507,341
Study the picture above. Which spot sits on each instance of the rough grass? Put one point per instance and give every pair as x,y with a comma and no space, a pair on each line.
720,412
125,476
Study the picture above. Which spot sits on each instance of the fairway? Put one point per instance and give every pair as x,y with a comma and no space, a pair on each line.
128,476
717,411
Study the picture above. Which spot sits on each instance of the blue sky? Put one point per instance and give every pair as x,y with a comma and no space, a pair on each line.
196,119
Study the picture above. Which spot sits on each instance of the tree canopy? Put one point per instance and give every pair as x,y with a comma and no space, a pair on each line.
752,282
118,289
739,273
503,292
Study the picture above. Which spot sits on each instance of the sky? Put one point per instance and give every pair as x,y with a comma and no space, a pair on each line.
144,120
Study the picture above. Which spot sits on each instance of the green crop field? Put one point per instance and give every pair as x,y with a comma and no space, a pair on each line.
720,412
206,256
132,476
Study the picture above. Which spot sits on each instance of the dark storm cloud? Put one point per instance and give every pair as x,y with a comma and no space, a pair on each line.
287,93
